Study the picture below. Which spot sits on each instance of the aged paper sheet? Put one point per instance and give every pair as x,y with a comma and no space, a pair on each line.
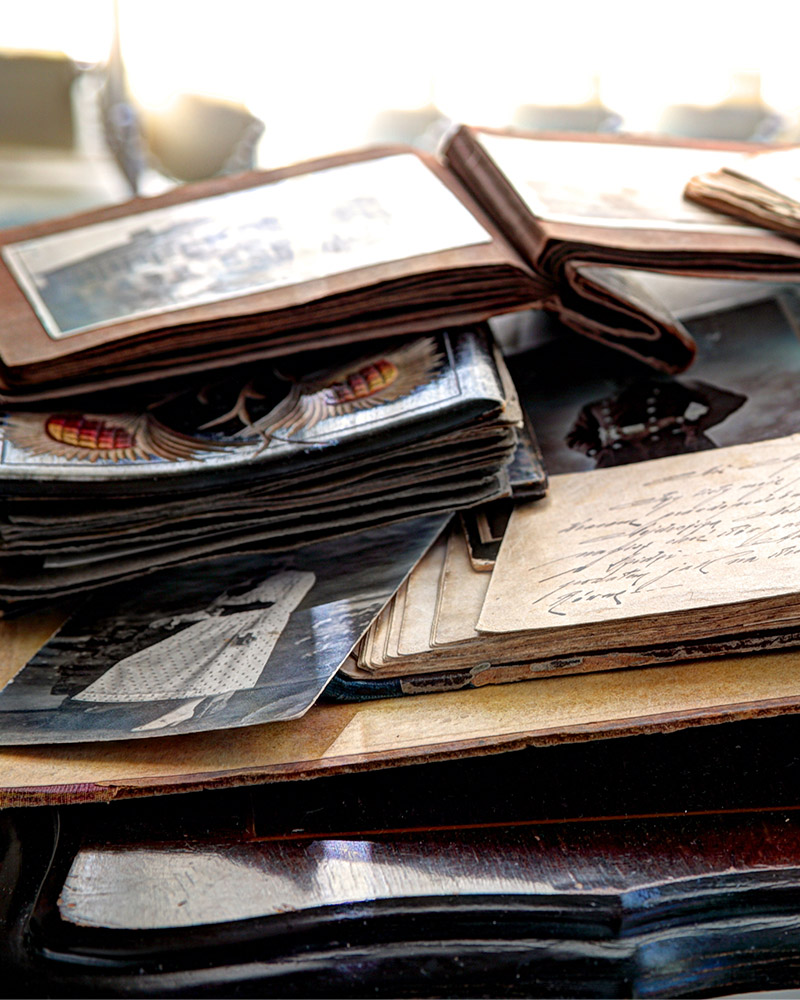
701,530
617,185
461,595
418,613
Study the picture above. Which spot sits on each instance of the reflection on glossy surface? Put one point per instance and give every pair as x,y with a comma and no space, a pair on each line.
140,887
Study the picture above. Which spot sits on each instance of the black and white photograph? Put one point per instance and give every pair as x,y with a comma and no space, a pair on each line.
592,409
215,645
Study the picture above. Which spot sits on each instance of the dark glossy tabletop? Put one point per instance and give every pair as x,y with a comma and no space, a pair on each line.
663,865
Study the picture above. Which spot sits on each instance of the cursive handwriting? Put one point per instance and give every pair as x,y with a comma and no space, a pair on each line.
720,528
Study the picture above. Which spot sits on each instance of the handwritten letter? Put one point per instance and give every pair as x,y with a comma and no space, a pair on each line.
712,528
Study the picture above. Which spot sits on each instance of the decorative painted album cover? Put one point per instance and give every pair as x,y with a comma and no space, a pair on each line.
274,412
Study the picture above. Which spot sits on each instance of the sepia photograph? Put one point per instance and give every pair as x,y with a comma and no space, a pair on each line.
239,243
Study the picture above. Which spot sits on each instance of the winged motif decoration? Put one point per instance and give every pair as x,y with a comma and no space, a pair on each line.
95,437
360,385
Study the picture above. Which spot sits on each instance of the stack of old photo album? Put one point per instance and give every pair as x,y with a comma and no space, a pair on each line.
252,364
237,416
271,458
668,533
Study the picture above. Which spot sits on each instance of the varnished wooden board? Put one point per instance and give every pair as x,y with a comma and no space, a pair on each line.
660,867
341,738
137,886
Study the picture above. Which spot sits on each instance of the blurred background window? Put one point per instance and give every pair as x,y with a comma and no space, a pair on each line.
172,90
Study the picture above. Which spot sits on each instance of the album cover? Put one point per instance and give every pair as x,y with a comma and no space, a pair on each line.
255,265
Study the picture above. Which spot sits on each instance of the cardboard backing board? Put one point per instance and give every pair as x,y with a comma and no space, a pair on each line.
333,739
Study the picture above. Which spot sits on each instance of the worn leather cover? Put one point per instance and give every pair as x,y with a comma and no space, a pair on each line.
648,229
660,867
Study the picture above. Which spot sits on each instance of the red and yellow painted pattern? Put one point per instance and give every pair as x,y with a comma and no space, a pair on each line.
365,382
79,431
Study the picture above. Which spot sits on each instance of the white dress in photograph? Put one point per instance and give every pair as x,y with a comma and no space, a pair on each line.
217,654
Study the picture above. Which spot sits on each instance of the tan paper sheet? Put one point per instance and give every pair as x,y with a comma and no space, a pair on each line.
703,530
374,642
420,605
462,592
